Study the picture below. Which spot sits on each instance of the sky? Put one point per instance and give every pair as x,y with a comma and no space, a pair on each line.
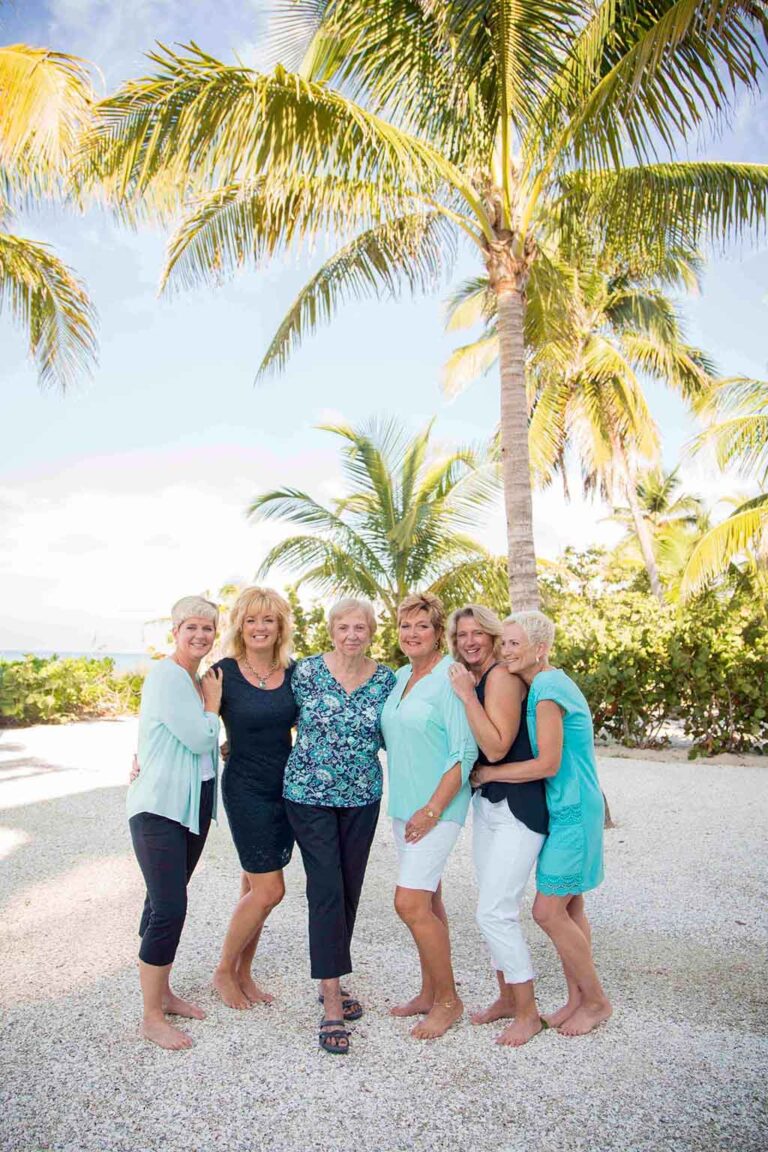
132,489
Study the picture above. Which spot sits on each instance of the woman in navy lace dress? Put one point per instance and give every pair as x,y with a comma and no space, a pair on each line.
332,794
258,710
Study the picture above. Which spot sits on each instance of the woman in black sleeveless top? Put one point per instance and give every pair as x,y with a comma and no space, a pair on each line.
510,820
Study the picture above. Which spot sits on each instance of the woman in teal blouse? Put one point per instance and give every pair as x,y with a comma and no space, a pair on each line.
170,804
430,753
571,861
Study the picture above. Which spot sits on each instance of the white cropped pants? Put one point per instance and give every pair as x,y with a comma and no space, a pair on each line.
505,851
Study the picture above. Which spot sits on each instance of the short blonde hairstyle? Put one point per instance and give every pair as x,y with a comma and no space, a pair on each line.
487,620
190,606
255,600
538,628
424,602
351,604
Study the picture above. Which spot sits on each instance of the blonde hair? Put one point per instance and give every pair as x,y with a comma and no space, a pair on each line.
538,628
255,600
424,602
488,621
190,606
351,604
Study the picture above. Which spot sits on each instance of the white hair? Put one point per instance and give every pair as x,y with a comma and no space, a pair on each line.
538,628
351,604
194,606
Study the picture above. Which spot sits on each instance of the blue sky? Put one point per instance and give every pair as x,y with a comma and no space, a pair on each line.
131,490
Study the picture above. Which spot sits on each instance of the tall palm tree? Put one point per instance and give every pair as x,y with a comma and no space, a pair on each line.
45,99
410,125
739,437
612,325
401,524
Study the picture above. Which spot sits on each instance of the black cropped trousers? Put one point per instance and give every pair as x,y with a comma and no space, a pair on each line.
167,853
335,844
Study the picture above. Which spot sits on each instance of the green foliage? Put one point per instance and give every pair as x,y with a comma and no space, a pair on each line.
643,666
310,634
48,690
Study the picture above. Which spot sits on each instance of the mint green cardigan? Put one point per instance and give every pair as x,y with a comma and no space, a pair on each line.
175,738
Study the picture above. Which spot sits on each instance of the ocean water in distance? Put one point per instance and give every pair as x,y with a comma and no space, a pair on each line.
124,661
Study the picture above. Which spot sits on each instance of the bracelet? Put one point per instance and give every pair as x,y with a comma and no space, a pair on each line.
431,813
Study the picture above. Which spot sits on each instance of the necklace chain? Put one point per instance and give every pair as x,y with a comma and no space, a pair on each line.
262,679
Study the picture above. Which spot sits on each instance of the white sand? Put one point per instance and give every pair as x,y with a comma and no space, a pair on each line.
680,935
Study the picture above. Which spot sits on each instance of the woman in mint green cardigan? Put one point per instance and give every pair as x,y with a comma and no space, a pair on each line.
171,802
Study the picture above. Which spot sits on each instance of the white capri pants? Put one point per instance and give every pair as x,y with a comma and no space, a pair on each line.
421,864
504,851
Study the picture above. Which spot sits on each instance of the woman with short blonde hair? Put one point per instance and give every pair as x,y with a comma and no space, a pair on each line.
258,710
571,861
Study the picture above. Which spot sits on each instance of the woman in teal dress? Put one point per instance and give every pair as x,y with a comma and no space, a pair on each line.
571,861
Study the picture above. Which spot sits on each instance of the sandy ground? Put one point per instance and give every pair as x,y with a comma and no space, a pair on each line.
680,936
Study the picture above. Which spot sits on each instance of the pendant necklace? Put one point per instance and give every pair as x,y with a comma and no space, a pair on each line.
261,679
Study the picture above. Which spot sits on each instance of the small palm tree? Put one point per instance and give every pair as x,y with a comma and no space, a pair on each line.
45,99
739,435
401,525
598,330
410,126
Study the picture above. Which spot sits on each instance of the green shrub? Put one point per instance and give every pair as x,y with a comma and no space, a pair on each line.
49,690
642,665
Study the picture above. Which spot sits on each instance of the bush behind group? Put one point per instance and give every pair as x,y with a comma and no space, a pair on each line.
649,671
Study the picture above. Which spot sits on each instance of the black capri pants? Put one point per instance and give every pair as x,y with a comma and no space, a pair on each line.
335,844
167,853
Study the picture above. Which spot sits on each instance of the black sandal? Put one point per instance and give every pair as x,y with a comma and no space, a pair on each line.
336,1035
351,1008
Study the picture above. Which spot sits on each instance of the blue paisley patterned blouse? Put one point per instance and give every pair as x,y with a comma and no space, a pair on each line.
335,760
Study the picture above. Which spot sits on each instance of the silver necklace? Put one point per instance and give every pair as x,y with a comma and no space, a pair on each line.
261,679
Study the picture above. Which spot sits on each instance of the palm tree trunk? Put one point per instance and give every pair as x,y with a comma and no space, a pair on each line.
641,528
515,462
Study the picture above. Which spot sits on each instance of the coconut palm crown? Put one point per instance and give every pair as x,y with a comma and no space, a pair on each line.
402,524
409,127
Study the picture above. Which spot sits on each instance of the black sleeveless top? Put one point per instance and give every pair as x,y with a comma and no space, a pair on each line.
527,801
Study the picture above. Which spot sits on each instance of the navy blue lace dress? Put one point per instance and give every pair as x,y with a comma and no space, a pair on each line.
258,723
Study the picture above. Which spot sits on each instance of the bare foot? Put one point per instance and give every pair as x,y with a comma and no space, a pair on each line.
519,1033
230,991
555,1019
175,1006
251,989
418,1006
441,1017
165,1035
499,1010
585,1018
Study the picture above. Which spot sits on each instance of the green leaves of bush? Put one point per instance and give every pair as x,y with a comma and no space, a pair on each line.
49,690
702,667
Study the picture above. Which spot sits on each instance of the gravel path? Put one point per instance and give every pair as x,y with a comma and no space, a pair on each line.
680,934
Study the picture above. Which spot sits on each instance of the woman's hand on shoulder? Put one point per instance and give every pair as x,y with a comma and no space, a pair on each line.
462,681
212,684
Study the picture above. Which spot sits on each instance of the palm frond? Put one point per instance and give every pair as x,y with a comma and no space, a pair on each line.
639,212
414,251
45,99
722,544
52,306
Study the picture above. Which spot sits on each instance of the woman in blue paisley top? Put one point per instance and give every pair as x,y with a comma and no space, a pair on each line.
332,792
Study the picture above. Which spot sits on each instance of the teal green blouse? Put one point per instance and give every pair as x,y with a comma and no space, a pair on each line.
425,735
178,741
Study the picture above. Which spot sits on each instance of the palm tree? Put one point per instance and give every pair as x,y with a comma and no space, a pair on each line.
675,522
608,325
45,98
401,525
739,437
410,125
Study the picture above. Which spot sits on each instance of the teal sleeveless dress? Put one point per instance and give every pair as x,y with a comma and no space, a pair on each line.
571,860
